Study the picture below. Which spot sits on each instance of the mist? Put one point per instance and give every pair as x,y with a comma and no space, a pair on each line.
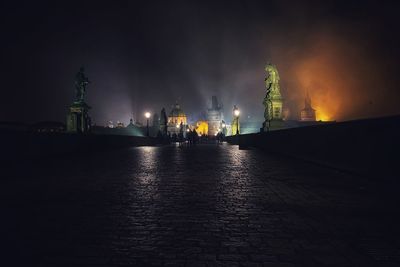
143,57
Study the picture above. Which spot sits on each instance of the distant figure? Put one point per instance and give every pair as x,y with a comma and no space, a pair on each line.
195,136
180,139
180,135
190,137
174,138
220,138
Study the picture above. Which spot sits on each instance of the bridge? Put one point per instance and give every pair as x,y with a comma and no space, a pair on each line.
203,205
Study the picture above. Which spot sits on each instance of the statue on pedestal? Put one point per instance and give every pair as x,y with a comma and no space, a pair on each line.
273,99
78,120
81,82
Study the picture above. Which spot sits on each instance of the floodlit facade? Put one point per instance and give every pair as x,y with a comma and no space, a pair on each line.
202,127
176,118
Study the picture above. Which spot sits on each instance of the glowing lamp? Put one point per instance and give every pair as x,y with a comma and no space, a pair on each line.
147,115
236,113
177,126
223,125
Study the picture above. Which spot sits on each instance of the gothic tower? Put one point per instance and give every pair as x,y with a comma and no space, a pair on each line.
307,113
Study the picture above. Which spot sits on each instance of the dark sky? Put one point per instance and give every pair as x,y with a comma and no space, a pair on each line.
146,55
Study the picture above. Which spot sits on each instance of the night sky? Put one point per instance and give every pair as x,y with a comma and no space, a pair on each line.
146,55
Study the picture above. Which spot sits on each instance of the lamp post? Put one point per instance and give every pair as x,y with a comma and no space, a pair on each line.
223,128
147,115
236,113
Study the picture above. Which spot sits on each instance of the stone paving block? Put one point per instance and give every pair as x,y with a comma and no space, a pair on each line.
201,206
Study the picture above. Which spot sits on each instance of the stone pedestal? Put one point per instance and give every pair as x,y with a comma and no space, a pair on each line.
273,125
265,127
78,120
235,126
277,124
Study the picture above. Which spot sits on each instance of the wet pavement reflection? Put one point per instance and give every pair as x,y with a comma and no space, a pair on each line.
202,205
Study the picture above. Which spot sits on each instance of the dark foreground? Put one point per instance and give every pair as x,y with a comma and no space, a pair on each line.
201,206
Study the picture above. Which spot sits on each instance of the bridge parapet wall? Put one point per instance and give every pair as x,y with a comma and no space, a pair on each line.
368,147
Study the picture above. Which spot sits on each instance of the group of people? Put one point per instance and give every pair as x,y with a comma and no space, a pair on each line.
192,138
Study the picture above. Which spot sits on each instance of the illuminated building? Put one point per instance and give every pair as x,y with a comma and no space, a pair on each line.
307,113
120,125
202,127
214,117
176,118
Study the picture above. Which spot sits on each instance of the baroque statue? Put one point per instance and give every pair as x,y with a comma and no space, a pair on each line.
273,99
78,119
81,83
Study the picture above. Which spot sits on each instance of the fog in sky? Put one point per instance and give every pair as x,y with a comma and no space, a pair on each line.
147,55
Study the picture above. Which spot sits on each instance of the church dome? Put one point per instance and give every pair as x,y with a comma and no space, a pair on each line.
176,117
177,111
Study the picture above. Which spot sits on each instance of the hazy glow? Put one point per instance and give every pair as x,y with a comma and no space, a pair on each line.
236,112
147,115
338,74
345,54
320,116
318,75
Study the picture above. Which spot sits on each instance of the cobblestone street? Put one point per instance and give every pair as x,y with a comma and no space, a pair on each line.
194,206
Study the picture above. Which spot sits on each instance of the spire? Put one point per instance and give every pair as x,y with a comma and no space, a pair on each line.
307,101
214,102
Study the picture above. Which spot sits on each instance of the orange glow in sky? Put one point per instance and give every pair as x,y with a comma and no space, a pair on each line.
338,75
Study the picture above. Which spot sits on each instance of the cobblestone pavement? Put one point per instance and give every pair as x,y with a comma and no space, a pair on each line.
198,206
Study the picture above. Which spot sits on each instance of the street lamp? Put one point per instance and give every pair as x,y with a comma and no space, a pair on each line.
236,113
223,128
147,115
